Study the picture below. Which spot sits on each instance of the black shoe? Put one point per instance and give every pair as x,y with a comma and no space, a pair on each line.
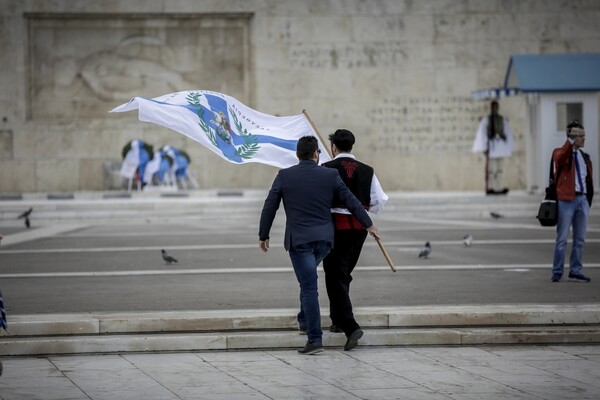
352,341
333,328
579,277
310,348
556,278
490,191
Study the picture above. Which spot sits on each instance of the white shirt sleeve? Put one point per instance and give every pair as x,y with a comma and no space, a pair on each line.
378,196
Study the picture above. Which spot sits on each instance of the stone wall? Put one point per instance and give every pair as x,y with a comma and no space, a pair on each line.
398,73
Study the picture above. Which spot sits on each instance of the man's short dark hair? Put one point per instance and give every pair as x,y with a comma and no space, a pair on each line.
343,139
306,147
574,124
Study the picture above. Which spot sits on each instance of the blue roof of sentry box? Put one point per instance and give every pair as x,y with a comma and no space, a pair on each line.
553,72
534,73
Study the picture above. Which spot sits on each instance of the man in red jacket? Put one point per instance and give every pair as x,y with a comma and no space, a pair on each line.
574,192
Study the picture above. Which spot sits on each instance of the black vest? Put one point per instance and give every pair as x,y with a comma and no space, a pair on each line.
589,183
356,175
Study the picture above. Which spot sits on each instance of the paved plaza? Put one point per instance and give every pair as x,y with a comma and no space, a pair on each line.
429,373
103,255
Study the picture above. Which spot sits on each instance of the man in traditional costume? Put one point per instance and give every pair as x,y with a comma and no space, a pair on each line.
494,139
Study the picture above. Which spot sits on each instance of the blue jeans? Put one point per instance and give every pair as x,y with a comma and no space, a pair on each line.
574,213
305,259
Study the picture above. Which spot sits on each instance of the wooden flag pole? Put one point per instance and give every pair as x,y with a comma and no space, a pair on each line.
385,253
318,134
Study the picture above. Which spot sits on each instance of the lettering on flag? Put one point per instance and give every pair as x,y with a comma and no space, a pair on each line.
227,127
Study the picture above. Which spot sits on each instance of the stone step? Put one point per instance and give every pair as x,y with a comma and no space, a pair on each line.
150,209
281,319
241,329
236,340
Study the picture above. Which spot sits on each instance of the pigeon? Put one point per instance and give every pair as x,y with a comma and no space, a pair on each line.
496,215
168,259
468,240
25,214
425,251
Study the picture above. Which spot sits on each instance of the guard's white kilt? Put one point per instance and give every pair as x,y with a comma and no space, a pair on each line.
498,148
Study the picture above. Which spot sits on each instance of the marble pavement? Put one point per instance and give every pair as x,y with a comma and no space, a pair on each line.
487,372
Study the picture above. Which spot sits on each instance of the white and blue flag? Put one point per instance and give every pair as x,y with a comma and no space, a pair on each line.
230,129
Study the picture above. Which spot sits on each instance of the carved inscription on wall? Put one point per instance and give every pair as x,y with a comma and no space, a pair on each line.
432,124
6,144
331,56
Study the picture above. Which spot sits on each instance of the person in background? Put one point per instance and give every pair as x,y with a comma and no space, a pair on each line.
494,139
574,193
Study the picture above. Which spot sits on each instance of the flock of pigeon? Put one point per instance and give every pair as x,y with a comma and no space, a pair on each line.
426,250
424,253
467,239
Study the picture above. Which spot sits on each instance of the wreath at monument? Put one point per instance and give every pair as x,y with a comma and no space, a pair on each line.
147,147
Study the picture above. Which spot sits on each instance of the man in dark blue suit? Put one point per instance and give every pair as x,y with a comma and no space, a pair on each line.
308,192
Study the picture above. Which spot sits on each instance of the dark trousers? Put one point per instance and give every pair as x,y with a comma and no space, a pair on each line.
338,266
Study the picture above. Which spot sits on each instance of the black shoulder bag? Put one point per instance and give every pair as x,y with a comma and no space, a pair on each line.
548,211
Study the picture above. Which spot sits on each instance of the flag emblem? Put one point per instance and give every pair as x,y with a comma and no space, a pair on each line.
235,146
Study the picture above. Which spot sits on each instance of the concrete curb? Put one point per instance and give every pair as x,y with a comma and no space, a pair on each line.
284,340
280,319
277,328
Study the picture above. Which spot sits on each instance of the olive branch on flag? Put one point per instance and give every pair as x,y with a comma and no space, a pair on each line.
194,100
250,146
